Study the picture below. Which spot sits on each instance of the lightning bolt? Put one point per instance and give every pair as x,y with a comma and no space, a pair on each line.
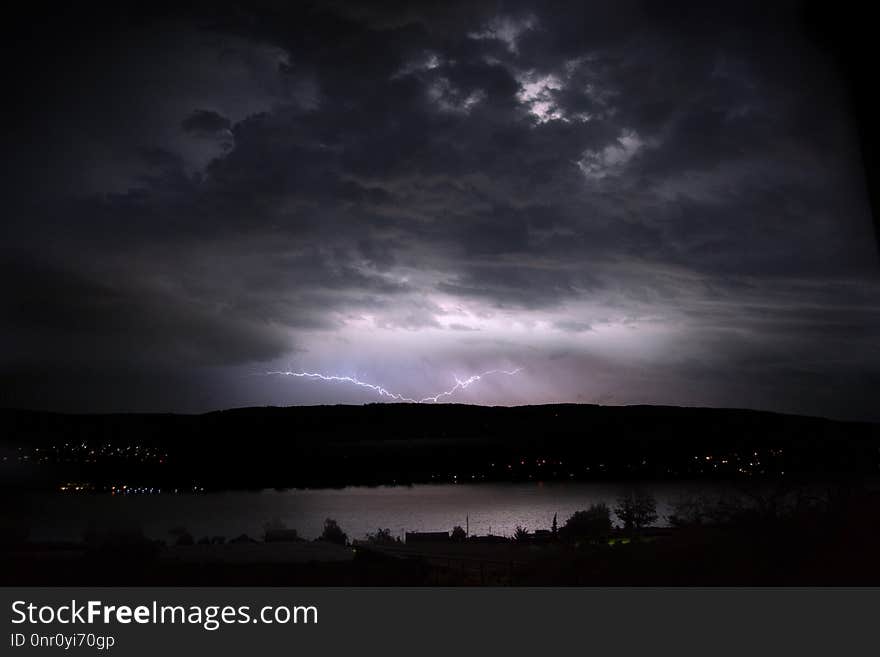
460,384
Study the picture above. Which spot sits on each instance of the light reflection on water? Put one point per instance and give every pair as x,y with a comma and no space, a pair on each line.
489,508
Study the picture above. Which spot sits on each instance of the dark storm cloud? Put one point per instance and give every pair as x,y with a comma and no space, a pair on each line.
65,316
206,122
219,188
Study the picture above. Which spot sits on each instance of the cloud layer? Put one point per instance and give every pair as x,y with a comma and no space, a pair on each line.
635,206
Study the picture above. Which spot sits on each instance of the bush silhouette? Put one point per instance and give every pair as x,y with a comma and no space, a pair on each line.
521,534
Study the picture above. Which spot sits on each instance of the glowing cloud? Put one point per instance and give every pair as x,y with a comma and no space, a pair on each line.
460,384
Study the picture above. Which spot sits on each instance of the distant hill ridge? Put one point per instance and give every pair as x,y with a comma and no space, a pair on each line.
409,443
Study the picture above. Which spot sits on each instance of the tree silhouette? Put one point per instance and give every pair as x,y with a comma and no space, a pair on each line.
333,533
381,537
636,510
590,524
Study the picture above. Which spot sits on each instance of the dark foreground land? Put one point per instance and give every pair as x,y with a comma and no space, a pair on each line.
815,521
838,546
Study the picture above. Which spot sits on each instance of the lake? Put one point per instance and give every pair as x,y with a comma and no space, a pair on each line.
490,508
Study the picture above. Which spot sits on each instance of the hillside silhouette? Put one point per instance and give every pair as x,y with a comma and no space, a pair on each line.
326,446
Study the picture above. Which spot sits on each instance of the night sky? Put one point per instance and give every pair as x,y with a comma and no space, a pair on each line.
633,202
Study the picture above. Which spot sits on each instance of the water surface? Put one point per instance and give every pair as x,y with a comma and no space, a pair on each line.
487,508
